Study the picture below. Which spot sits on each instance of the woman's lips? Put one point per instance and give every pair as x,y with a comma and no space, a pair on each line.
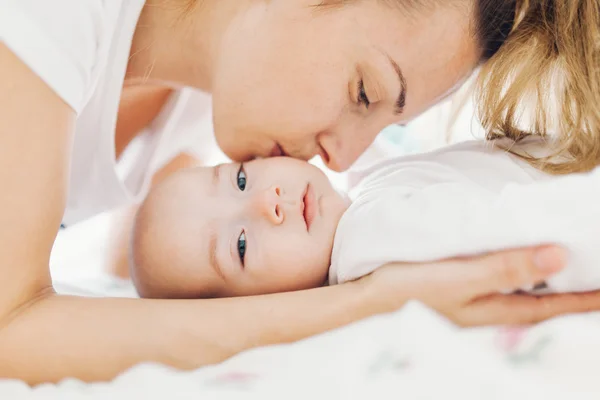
277,151
309,210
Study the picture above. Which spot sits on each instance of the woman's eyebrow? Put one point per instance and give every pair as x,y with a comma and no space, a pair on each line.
401,100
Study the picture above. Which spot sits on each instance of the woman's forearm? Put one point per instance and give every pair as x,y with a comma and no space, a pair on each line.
95,339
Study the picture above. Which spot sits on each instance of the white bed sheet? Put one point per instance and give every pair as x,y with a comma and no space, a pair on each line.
411,354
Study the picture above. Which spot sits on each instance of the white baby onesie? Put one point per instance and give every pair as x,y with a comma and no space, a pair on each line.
468,199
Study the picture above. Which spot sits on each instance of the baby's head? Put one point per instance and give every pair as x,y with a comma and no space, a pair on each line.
237,229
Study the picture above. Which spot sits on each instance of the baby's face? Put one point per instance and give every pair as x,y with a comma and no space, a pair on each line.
237,229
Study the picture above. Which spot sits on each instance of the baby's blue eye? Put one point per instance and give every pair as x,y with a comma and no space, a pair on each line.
241,245
241,178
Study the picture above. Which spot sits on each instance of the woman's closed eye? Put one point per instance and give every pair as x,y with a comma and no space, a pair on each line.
241,178
241,247
362,95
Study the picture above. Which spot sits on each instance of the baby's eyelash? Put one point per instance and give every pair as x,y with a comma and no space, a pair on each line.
241,247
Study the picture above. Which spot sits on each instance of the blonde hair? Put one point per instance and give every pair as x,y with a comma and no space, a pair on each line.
544,80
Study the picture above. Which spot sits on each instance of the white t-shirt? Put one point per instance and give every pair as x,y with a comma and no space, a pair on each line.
468,199
80,48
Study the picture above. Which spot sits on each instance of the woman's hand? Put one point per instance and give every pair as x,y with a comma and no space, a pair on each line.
467,290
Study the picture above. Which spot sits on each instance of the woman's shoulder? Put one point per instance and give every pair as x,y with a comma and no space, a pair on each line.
65,42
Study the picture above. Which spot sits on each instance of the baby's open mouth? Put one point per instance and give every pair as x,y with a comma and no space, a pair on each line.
308,209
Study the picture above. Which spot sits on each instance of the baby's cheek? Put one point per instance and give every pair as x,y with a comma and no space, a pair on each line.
311,264
296,266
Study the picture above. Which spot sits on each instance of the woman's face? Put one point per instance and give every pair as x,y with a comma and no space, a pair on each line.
306,80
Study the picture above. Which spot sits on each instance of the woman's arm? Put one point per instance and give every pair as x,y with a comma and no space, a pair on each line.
46,337
35,142
122,220
95,339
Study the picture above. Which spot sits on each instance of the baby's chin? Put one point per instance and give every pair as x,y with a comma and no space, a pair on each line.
338,202
344,198
342,201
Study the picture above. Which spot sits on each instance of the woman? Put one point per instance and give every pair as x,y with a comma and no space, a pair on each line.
81,79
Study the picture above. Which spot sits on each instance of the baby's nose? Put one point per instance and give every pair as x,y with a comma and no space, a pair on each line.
269,205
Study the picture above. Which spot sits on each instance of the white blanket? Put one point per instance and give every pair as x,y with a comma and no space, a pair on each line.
412,354
468,199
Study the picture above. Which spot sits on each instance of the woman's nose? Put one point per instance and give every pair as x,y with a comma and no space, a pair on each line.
269,205
339,152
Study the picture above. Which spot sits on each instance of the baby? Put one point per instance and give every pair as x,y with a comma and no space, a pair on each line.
278,225
236,229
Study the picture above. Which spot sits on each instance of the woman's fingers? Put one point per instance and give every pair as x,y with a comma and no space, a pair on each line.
467,290
519,309
511,270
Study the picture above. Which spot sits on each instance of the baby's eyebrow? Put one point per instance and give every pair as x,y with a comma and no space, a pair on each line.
212,252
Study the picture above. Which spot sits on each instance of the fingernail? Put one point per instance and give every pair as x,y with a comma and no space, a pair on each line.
550,259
